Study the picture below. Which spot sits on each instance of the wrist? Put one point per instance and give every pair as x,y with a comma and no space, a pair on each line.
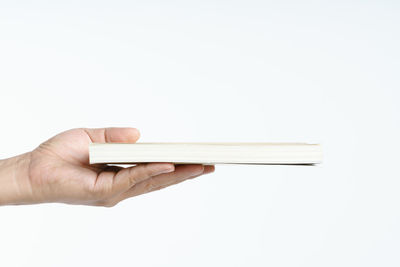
15,185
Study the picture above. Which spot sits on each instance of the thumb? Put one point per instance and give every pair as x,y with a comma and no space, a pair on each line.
113,135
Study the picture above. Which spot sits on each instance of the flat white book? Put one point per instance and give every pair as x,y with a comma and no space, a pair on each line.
206,153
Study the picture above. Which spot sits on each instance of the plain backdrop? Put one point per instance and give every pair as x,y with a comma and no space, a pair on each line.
250,71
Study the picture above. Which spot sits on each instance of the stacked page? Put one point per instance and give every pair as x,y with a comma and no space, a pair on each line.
206,153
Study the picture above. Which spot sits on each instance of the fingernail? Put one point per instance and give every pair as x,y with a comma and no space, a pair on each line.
209,169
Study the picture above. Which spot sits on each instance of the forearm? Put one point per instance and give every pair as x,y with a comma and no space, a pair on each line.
14,180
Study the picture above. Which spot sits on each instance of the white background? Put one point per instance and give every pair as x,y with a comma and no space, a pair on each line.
310,71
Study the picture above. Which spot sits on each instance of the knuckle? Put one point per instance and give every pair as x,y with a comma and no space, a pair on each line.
146,171
139,173
99,191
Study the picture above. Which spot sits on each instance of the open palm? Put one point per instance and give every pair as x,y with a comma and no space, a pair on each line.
59,170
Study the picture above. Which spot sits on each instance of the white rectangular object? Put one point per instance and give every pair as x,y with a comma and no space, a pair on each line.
206,153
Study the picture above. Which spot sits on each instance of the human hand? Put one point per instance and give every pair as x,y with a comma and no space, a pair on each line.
59,171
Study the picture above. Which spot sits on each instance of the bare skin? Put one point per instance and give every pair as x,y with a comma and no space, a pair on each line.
59,171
